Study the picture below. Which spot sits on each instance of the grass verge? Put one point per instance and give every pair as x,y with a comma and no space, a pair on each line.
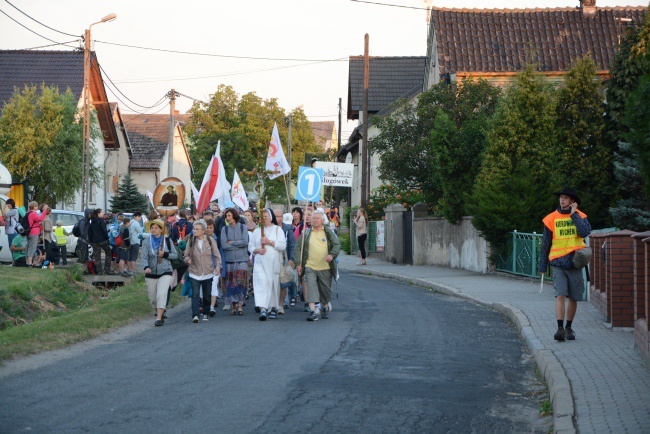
48,323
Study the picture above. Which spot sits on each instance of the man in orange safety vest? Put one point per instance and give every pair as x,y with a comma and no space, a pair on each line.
565,230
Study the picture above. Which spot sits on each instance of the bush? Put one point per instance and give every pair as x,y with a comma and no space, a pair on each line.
344,239
386,195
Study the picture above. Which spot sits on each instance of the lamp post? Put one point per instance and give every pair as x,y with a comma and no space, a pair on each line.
85,181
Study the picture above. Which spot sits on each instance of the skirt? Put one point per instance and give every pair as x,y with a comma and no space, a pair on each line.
236,282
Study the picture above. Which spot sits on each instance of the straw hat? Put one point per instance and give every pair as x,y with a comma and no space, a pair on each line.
158,223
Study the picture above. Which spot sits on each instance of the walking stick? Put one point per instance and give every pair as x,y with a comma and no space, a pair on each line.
541,285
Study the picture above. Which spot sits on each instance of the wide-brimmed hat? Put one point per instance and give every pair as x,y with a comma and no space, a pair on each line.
568,191
156,222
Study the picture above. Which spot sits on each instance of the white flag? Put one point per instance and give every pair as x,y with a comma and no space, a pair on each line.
238,193
150,196
275,160
222,191
195,192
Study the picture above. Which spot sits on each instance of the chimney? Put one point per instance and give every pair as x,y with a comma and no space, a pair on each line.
176,112
588,7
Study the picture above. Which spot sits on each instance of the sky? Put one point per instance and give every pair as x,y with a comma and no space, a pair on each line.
318,37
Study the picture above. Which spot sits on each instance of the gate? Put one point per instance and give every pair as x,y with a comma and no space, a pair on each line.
408,237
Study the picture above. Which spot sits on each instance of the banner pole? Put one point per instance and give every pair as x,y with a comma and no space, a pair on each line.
286,186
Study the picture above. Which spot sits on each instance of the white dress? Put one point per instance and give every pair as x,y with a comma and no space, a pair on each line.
266,268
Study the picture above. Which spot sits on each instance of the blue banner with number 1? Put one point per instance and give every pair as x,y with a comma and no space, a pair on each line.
310,181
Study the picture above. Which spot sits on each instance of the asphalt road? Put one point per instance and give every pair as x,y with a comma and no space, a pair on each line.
391,358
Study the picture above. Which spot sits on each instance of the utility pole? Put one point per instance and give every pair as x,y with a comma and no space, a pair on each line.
170,154
289,143
363,152
85,177
340,109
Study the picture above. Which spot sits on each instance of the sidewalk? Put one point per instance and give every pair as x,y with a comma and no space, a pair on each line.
598,383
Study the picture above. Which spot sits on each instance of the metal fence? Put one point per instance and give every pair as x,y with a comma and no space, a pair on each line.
522,254
372,237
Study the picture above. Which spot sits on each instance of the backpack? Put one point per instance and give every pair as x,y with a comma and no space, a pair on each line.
23,226
182,230
118,240
178,262
113,234
76,229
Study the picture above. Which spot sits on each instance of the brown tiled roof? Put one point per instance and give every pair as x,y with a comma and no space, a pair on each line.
64,69
149,137
391,78
499,40
323,129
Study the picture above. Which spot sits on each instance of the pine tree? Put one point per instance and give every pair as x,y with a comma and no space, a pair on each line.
586,161
128,198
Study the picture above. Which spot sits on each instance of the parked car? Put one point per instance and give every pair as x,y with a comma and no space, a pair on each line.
68,220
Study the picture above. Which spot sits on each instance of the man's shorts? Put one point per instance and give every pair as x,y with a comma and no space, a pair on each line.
318,286
135,249
123,254
568,283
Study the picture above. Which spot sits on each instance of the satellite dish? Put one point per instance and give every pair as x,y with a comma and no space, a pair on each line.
5,180
348,158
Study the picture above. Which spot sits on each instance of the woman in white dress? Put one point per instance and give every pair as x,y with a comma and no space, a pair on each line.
267,251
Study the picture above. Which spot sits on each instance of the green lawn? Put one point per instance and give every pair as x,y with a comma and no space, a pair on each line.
48,309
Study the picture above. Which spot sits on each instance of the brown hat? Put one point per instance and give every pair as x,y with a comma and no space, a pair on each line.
158,223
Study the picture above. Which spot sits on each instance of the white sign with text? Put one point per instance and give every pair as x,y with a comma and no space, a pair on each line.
336,174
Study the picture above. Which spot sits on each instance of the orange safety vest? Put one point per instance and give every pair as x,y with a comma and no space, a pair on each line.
565,234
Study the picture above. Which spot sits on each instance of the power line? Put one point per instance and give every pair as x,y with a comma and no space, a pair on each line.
218,55
388,4
34,32
44,25
48,45
229,74
122,93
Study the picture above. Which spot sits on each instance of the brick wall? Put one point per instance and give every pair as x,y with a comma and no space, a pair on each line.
641,287
597,285
620,283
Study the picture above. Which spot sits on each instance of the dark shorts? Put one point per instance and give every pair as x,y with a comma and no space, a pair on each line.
123,255
135,250
568,283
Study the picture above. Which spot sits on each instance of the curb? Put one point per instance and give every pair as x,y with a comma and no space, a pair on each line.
549,366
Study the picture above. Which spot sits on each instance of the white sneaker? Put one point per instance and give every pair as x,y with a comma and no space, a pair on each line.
226,307
205,317
195,319
281,311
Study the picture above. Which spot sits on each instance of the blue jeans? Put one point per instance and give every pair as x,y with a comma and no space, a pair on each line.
197,285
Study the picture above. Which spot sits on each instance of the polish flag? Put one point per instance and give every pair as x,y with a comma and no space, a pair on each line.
214,185
275,160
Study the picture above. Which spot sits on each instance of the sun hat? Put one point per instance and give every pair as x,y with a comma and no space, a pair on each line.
59,222
568,191
158,223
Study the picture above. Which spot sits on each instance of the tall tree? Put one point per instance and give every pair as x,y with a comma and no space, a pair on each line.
628,127
244,125
128,198
435,143
586,159
512,187
41,142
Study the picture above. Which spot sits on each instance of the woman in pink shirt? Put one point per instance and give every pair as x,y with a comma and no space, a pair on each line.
34,220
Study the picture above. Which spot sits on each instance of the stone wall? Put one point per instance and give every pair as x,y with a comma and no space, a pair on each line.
438,242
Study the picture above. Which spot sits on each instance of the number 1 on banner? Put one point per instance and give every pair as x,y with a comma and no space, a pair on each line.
310,182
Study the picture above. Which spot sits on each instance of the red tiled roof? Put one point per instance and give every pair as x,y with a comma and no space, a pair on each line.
500,40
149,138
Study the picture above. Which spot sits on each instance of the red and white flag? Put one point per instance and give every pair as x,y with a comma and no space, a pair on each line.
214,185
239,197
275,160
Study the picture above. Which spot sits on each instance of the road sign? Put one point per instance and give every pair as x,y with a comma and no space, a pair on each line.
310,181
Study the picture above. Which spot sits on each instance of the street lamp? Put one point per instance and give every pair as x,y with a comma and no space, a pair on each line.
290,142
85,181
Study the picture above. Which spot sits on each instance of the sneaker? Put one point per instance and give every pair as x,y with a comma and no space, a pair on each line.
306,308
314,315
324,314
273,314
281,311
159,323
195,319
293,302
559,335
226,307
205,317
213,311
570,335
263,316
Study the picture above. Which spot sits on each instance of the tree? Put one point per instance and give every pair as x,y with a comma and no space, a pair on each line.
586,159
517,174
435,144
41,142
628,127
128,198
244,125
